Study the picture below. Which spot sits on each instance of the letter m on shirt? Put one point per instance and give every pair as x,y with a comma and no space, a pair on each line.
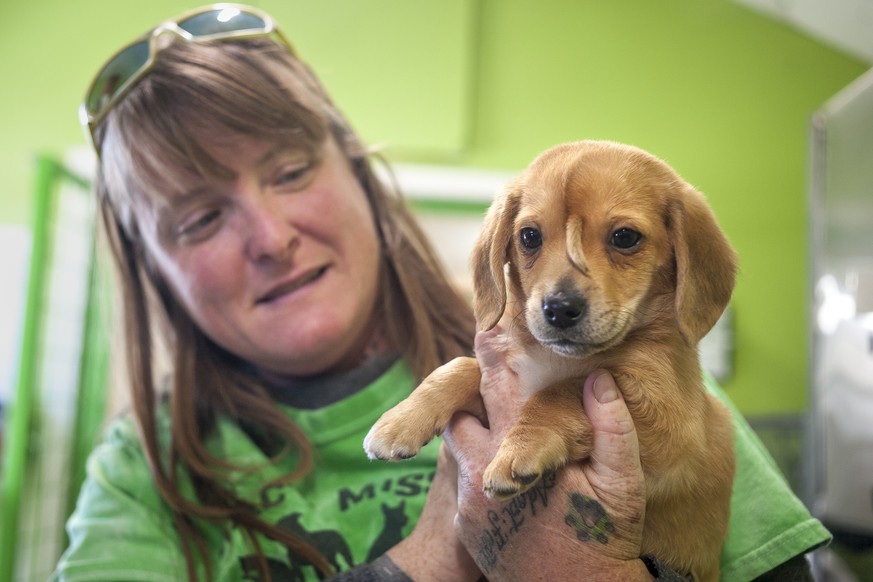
348,497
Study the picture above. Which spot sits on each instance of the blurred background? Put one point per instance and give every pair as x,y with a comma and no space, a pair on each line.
764,105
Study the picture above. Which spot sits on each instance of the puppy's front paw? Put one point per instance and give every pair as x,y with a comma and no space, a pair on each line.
400,433
522,459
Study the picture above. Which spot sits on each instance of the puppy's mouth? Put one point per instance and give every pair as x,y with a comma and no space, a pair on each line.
580,341
566,347
289,287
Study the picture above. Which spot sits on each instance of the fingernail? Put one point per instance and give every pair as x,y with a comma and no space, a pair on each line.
605,389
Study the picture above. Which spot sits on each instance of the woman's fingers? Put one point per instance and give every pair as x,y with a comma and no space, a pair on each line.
499,384
614,470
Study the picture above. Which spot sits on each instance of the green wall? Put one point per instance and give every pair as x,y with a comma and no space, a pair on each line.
721,93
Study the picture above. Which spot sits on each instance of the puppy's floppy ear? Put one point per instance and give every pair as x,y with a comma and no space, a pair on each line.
706,264
490,254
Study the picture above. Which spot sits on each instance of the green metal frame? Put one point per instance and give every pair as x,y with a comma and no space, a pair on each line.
20,408
21,411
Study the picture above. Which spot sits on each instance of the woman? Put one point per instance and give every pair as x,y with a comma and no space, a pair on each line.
298,300
281,270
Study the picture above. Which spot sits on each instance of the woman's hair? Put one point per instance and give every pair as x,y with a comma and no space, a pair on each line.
252,88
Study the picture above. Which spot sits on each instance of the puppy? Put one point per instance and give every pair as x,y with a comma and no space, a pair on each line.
599,256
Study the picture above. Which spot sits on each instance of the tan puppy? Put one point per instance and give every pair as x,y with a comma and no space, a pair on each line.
599,256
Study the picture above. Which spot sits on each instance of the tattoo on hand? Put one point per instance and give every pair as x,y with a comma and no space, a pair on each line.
585,515
589,519
506,522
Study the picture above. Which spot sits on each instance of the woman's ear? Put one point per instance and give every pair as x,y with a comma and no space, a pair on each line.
706,264
490,254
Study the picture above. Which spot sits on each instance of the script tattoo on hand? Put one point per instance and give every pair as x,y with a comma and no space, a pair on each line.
507,522
585,515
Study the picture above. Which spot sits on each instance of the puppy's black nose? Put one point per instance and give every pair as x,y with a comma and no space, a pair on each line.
562,311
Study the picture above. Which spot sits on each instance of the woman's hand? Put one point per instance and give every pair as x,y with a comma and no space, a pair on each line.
432,552
585,520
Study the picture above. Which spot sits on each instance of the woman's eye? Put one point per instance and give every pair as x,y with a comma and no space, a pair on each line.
625,239
198,223
530,238
293,175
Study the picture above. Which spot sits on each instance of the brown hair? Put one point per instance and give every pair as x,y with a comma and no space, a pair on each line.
253,88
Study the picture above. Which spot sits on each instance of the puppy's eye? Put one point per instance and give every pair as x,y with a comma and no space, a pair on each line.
530,238
625,239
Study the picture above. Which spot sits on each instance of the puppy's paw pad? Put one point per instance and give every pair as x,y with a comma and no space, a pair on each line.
399,435
503,489
529,454
379,445
526,480
497,483
500,482
497,492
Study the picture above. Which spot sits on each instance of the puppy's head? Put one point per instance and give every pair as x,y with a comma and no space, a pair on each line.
597,239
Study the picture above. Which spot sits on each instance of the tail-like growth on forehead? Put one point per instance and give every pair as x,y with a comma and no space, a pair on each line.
574,249
706,264
490,254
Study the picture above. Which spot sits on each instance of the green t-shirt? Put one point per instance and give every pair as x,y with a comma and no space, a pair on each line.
351,508
768,523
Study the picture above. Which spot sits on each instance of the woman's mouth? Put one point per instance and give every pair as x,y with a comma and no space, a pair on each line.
293,285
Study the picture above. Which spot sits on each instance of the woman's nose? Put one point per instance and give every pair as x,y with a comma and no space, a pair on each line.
272,236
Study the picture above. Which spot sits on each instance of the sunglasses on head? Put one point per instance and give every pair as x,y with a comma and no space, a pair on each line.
216,22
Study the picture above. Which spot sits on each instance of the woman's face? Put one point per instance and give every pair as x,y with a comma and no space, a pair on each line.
279,264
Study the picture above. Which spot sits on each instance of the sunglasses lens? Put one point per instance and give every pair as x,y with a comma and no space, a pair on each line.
222,21
115,74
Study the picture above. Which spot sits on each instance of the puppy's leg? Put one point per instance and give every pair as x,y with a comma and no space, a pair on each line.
688,505
552,429
403,430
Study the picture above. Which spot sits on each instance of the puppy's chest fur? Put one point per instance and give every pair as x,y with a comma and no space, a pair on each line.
538,367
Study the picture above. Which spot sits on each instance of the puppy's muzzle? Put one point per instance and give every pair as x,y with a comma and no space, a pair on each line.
563,310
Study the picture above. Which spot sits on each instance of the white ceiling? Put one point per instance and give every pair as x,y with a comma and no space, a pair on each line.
846,25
